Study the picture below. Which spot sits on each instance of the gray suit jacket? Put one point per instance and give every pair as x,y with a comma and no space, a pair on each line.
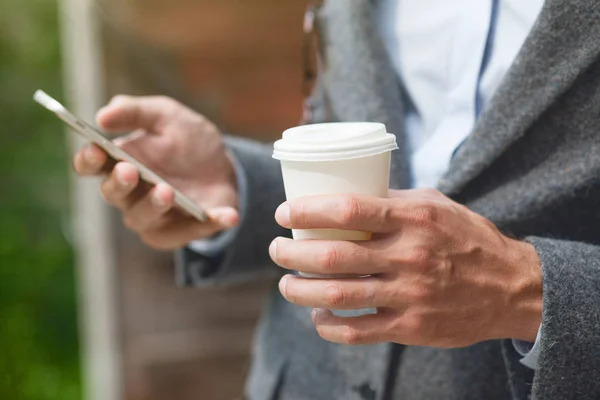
532,166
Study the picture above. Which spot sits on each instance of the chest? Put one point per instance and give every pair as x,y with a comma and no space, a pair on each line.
452,55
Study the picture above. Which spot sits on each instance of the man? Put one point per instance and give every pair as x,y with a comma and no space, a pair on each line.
488,291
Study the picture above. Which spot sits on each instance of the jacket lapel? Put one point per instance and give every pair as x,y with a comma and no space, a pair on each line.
563,43
361,82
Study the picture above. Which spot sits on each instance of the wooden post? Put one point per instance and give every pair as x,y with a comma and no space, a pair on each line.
95,252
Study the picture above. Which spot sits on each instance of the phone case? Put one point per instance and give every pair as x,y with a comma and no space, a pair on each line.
92,134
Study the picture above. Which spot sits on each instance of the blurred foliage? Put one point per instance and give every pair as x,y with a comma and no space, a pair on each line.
39,353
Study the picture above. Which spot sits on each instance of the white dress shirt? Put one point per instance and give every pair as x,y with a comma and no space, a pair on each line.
451,55
438,49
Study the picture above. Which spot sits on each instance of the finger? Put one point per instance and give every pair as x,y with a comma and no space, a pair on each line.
148,212
178,231
327,257
122,188
128,113
91,160
338,294
366,329
347,212
224,217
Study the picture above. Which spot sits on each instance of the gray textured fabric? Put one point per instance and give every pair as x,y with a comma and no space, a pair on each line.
532,166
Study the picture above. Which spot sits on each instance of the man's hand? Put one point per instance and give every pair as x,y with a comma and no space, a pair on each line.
182,147
440,275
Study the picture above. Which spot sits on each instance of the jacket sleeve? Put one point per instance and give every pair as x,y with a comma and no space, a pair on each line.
569,355
247,257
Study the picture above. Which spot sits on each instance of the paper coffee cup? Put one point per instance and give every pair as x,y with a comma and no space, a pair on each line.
335,158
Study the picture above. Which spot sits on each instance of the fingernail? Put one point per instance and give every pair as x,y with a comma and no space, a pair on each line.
157,201
273,251
316,313
283,285
283,215
122,179
225,221
90,156
99,119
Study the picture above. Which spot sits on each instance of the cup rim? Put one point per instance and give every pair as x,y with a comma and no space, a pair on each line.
367,139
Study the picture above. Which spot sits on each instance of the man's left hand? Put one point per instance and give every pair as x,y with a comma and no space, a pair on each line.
438,274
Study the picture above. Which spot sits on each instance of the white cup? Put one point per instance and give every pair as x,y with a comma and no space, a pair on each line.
335,158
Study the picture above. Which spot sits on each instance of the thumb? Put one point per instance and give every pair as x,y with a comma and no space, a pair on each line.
129,113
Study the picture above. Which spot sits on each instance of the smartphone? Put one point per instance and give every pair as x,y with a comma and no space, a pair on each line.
93,135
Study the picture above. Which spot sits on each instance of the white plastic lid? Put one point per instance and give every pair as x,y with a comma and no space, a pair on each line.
334,142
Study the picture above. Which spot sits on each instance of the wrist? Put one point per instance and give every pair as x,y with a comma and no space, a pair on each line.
234,177
220,186
524,316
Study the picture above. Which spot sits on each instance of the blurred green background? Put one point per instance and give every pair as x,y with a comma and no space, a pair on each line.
39,352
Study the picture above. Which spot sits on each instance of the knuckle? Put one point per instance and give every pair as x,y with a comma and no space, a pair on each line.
350,209
420,295
389,210
425,214
168,106
174,108
430,192
329,259
119,98
199,120
335,295
418,256
483,221
167,101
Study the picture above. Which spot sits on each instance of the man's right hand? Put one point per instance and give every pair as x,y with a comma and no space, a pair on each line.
182,147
